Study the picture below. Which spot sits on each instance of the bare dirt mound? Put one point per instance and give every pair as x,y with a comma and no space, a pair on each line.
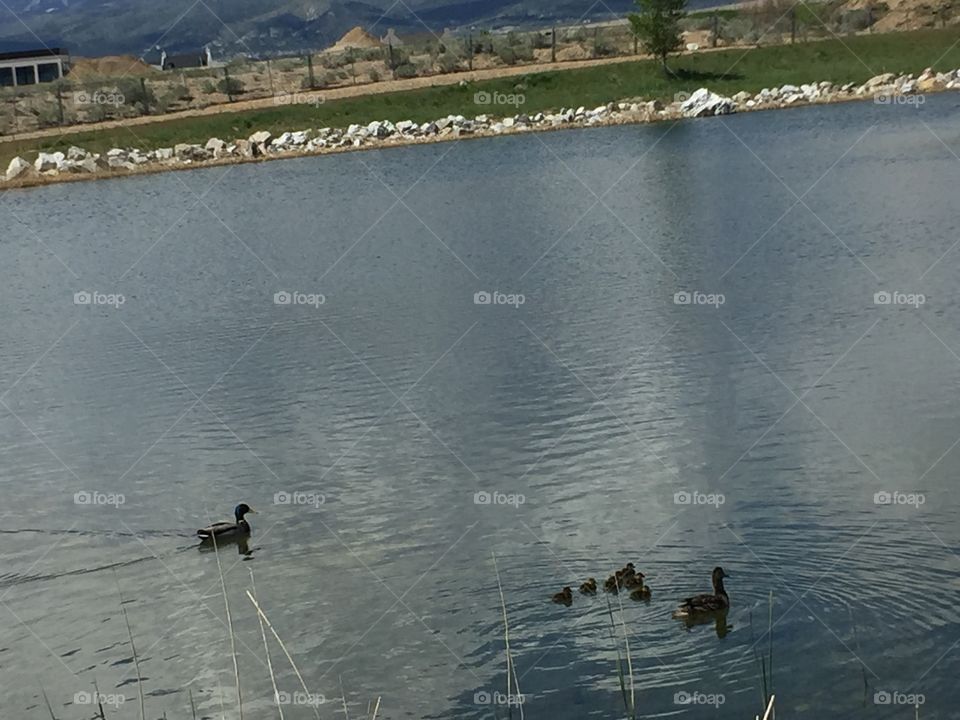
358,38
111,66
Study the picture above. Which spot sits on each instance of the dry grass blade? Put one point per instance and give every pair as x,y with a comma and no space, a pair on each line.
343,698
283,647
193,708
47,701
770,713
233,642
620,676
511,669
266,650
96,689
376,709
133,648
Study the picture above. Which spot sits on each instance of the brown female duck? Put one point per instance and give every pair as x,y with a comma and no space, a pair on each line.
708,603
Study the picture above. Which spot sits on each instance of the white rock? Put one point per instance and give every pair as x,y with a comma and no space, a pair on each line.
261,138
116,152
508,122
164,153
88,165
299,137
703,102
76,153
877,80
50,161
17,167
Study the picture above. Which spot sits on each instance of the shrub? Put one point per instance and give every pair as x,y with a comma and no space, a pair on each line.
406,70
507,55
374,75
448,63
230,86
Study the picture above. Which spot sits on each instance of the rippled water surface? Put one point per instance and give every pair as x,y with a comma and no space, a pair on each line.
599,402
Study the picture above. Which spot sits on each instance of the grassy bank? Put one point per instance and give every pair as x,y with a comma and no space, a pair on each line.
851,59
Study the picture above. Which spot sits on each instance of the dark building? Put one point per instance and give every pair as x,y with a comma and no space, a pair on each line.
29,67
183,61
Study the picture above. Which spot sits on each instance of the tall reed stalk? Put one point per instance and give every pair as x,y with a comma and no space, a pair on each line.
511,668
233,642
765,664
133,647
266,650
629,704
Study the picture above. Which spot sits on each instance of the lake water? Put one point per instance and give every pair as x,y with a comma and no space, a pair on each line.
591,413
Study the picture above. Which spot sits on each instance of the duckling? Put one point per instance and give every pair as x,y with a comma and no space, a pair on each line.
227,530
589,587
707,603
641,591
633,581
564,597
612,585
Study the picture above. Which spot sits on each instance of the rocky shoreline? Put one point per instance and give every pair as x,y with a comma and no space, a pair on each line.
79,164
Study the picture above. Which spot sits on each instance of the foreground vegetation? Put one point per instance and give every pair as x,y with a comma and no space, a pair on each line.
848,59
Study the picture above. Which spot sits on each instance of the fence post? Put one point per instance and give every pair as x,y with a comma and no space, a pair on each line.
310,77
716,30
270,76
470,50
553,44
60,103
146,96
226,84
793,25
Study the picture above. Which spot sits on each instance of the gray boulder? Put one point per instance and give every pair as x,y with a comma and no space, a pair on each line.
17,167
704,103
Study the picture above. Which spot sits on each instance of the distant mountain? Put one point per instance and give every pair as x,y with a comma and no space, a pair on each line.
263,27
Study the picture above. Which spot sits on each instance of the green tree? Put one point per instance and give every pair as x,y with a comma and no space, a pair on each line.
658,27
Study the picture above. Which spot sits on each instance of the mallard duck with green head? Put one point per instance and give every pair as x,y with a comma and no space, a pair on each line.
224,531
708,603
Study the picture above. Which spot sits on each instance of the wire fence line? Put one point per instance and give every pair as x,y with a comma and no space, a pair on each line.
138,89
